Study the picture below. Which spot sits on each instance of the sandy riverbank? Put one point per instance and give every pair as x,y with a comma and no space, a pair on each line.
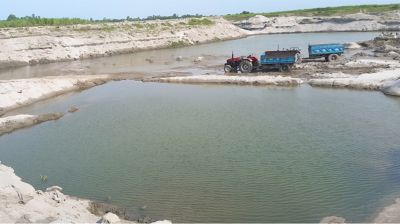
18,93
380,71
37,45
389,214
231,79
368,81
20,202
21,92
12,123
368,74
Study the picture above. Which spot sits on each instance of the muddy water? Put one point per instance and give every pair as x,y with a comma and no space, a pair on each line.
218,153
163,61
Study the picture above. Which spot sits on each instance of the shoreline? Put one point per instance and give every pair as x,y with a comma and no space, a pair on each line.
79,42
21,92
13,65
341,75
43,45
22,203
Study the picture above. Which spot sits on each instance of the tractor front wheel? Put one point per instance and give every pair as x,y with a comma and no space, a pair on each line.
246,67
228,68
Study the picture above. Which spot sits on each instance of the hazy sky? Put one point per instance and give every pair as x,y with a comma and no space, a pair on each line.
141,8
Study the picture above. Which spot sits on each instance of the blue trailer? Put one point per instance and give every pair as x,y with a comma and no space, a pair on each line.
268,59
330,52
282,60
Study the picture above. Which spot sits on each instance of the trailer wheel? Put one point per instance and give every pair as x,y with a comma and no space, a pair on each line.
246,66
299,59
284,68
228,68
333,57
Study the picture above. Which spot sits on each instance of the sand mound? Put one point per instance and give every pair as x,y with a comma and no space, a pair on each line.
233,79
392,88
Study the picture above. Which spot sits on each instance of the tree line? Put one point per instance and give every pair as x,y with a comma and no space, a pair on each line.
34,20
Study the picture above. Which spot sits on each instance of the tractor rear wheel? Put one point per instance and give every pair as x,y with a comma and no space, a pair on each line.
333,57
246,66
228,68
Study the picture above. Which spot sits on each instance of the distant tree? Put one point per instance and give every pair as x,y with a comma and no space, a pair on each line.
12,17
245,12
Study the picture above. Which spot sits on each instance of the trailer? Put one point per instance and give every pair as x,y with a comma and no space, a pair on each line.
331,52
281,60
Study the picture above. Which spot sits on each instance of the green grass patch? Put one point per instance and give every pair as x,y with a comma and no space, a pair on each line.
138,25
167,24
151,26
200,22
108,28
176,44
328,11
37,21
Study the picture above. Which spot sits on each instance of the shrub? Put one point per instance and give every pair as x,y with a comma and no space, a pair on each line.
200,22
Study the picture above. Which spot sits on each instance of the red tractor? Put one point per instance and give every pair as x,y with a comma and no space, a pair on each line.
243,64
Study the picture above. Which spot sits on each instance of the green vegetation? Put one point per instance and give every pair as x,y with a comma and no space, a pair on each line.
138,25
174,16
200,22
28,21
13,21
44,178
108,28
177,44
167,24
329,11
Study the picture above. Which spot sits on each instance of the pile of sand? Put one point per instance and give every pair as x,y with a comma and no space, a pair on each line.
391,88
370,81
